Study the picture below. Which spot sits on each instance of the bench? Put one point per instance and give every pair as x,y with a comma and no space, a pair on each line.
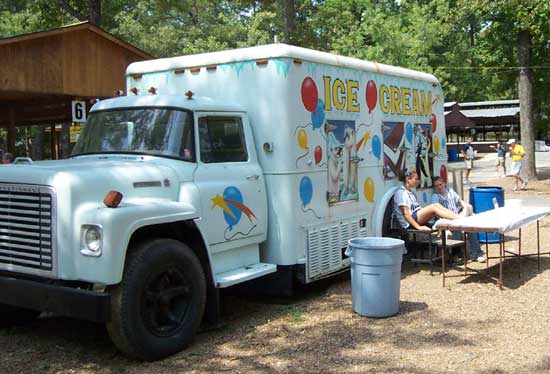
423,245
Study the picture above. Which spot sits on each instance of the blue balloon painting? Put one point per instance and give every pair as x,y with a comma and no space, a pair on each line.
376,147
443,143
306,191
233,193
409,132
318,115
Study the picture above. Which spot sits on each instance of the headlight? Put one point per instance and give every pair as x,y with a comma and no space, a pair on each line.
91,240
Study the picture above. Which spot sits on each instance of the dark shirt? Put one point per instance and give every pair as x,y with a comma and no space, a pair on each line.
501,151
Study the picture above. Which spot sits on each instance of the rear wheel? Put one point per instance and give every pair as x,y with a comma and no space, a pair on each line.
158,307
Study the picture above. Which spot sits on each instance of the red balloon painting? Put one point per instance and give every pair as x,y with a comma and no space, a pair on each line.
433,121
309,94
318,154
443,173
371,94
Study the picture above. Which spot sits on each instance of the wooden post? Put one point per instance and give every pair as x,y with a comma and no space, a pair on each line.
65,140
12,130
53,142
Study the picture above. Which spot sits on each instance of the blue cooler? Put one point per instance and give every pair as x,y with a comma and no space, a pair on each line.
481,199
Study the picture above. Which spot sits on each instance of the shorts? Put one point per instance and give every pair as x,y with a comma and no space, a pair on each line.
501,161
469,164
516,167
415,215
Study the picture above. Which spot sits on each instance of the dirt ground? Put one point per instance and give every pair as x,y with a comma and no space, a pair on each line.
470,326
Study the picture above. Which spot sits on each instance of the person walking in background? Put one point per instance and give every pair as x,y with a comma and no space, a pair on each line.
7,158
517,153
501,157
468,153
450,200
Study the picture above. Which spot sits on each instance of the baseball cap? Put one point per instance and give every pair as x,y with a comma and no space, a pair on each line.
510,141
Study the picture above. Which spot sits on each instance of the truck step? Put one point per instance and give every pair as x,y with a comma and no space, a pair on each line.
239,275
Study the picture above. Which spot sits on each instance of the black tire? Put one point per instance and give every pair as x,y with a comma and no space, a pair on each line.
14,316
158,307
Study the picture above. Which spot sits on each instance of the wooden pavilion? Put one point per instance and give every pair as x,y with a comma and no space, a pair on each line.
482,118
44,73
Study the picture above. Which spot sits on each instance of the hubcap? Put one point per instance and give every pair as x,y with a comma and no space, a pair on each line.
166,302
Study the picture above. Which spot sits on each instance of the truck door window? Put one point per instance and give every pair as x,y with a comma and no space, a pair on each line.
222,139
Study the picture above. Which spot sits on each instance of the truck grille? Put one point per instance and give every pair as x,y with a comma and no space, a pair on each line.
27,230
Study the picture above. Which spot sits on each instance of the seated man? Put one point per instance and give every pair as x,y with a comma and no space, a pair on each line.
408,211
450,200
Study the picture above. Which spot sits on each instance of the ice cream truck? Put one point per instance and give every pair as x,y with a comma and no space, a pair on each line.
213,170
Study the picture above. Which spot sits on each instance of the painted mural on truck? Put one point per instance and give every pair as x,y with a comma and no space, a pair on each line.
355,122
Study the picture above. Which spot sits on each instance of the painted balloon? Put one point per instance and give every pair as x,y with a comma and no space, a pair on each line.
436,144
368,189
309,94
433,121
371,95
409,132
232,193
318,154
443,142
443,173
306,191
318,115
424,197
302,138
376,147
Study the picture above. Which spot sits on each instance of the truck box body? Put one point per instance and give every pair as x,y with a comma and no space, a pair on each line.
309,111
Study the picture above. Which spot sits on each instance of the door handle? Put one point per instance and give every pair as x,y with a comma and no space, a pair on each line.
254,177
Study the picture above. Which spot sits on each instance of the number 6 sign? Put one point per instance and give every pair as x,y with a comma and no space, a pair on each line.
79,111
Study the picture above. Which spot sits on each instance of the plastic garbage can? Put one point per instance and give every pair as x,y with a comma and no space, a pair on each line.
453,155
483,199
375,275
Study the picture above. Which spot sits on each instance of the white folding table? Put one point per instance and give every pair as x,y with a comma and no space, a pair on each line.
500,221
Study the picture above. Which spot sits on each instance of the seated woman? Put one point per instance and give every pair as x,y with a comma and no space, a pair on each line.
406,208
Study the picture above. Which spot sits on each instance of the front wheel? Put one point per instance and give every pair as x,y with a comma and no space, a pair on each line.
158,306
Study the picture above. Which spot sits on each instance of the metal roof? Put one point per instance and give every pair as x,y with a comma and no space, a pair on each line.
491,113
489,103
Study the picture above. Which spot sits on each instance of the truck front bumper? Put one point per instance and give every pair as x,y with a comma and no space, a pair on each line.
61,300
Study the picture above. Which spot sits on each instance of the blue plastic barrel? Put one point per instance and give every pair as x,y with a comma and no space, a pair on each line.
453,155
481,199
375,275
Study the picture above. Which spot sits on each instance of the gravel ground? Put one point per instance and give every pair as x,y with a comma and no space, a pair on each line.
470,326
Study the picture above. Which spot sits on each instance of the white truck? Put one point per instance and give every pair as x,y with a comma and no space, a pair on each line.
215,169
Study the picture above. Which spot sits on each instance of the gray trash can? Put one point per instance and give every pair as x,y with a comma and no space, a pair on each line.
375,275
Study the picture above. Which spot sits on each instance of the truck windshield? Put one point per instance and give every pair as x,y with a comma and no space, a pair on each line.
155,131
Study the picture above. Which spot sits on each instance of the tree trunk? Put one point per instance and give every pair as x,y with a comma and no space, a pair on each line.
94,12
37,150
527,123
289,12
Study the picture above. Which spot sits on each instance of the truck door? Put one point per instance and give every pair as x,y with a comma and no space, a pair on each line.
230,180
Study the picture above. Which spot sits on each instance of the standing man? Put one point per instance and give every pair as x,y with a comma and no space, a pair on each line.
517,152
468,153
450,200
501,157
